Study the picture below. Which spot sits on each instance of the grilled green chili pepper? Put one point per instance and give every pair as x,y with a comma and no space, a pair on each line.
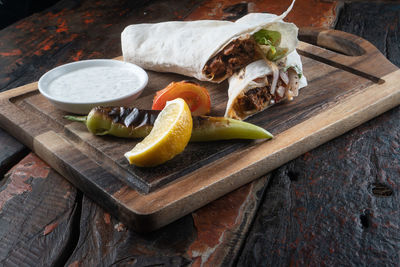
136,123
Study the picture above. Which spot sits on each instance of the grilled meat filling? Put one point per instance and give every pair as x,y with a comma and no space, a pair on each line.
236,55
254,99
258,98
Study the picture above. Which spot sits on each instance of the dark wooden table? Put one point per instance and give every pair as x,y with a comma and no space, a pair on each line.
335,205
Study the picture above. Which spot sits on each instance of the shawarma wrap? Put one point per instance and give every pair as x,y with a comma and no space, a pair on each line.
256,87
209,50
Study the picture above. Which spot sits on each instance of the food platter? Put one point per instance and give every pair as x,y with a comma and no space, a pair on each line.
345,89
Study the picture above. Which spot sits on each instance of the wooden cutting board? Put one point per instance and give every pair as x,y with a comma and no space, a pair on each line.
350,82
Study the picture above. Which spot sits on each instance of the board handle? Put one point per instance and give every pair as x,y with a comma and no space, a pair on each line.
337,41
346,51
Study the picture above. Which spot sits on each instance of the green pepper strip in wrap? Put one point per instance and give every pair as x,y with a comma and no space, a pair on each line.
269,42
135,123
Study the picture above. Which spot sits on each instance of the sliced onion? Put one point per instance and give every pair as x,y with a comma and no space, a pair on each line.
273,67
293,82
284,76
259,80
281,91
275,73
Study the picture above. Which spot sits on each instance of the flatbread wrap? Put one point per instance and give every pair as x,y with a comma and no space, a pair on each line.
208,50
256,87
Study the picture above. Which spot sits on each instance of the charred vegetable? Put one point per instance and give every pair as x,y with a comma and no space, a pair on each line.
136,123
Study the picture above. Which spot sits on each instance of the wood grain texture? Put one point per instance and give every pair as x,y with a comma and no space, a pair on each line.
344,101
385,134
375,22
338,204
97,48
346,51
201,238
109,152
304,14
37,215
72,30
334,202
12,151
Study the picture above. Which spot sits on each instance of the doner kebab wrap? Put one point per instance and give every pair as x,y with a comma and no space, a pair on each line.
256,87
209,50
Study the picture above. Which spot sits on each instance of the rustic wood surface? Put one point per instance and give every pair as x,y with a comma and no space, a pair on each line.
322,111
32,233
343,91
12,152
385,130
338,204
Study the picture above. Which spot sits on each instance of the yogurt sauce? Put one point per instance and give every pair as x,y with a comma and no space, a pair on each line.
94,84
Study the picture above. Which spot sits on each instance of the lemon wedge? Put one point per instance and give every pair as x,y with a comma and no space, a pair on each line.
169,136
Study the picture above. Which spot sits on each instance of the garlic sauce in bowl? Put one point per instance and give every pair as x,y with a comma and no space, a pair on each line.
79,86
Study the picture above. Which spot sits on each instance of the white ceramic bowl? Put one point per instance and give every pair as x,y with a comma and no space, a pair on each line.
79,86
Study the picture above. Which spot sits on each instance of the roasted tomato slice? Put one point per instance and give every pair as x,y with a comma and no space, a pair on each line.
195,96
